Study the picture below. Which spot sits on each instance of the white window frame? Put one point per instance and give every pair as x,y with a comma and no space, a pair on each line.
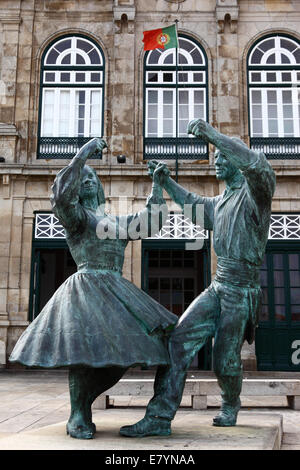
73,50
167,52
72,81
277,50
277,85
61,138
157,65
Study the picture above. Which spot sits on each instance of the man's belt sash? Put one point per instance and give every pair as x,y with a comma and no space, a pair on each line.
239,273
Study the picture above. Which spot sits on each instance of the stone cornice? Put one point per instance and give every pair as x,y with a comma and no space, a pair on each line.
99,17
156,17
249,16
282,168
8,129
10,18
10,22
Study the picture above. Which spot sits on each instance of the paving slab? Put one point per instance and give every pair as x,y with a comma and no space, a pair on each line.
190,431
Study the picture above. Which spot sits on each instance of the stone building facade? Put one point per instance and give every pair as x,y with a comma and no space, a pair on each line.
225,31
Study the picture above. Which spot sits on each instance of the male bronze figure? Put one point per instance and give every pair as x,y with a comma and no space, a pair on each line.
97,323
227,310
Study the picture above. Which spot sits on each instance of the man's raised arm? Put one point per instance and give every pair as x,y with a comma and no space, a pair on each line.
255,167
236,152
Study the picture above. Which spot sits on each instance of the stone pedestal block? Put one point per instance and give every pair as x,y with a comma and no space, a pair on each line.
294,402
199,402
190,431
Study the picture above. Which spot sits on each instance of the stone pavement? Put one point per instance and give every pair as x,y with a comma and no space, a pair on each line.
30,400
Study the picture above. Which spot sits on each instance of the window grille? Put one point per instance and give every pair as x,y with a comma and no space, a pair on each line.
282,227
285,227
47,226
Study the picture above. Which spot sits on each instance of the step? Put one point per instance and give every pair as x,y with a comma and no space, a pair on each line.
199,389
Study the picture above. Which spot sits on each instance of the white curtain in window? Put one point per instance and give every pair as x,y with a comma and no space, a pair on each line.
161,110
71,112
274,112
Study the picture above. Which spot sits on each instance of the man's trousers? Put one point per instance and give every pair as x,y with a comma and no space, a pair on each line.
221,311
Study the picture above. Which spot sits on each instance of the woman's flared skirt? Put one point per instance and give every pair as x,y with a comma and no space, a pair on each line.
97,320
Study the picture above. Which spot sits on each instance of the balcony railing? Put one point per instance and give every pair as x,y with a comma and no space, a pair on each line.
280,148
188,148
61,147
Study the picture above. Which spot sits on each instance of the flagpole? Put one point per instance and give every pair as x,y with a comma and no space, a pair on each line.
176,143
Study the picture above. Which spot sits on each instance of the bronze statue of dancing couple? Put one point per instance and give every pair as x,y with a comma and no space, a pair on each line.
98,324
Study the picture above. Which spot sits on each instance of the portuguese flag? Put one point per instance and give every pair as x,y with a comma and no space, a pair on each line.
162,38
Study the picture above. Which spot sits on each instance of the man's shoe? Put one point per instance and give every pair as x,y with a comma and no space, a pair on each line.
81,431
228,414
147,426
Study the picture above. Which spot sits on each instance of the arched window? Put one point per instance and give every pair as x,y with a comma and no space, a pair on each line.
274,108
174,94
71,99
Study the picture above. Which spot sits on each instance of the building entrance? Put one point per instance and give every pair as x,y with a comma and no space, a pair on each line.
175,277
51,266
278,334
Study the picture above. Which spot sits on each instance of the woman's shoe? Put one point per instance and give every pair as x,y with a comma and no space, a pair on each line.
81,431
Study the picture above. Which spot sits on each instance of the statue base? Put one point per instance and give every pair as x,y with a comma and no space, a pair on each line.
191,430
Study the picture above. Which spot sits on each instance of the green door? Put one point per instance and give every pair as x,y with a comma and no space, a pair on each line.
52,264
278,334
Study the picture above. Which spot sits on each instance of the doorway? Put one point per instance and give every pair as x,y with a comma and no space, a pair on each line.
277,341
52,264
175,277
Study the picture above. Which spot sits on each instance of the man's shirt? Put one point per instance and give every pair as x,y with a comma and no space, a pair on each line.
240,217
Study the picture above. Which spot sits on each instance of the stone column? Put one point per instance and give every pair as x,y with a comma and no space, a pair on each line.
5,235
227,112
24,79
16,243
18,320
123,80
10,23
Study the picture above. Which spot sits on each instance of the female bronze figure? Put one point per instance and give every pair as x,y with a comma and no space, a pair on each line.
98,324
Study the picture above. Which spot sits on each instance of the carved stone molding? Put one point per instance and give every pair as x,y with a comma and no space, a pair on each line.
124,15
227,11
10,22
8,129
